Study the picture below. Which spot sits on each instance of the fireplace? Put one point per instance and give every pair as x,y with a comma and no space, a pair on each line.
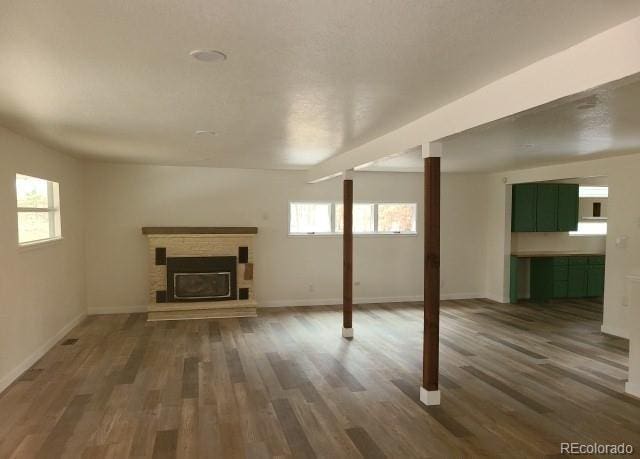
201,272
192,279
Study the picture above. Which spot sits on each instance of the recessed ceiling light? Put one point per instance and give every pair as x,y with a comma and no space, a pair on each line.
208,55
528,145
205,132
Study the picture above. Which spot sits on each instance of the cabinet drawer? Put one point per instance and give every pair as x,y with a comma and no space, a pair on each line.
560,289
560,273
578,261
596,260
560,261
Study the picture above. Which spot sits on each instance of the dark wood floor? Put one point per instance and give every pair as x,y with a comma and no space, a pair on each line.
516,381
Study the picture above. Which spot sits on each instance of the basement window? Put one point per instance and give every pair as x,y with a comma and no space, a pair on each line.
318,218
310,217
363,218
38,209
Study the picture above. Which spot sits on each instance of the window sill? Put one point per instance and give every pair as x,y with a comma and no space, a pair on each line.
354,234
39,244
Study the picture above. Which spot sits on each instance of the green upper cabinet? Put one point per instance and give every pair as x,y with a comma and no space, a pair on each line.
547,207
568,206
544,207
523,209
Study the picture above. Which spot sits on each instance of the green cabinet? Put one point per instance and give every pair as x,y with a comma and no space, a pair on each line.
544,207
513,280
595,276
577,281
561,277
547,207
542,281
568,206
523,207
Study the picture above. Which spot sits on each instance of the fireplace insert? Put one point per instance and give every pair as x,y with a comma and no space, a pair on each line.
201,279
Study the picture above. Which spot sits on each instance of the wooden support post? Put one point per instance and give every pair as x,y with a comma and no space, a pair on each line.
347,257
429,392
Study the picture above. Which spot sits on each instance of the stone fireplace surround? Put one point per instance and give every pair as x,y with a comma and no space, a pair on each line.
204,248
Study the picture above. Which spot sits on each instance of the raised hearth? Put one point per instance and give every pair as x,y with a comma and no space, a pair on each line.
200,272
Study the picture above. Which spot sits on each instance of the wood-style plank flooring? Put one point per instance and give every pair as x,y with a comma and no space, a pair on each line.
515,380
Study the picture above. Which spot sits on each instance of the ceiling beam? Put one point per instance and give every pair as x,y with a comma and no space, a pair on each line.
603,58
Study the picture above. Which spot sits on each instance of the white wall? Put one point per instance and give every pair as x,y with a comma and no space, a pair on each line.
532,242
289,270
623,220
42,288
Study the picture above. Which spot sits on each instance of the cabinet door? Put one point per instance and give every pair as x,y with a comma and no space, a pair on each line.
595,281
577,281
523,207
568,207
560,289
513,280
547,207
542,279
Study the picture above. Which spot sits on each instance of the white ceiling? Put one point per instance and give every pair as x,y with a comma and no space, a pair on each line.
601,122
304,80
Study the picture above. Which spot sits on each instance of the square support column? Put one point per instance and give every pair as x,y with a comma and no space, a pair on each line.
347,256
429,392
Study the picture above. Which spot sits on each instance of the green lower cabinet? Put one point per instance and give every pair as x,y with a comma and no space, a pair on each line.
560,289
595,281
561,277
577,281
542,282
513,280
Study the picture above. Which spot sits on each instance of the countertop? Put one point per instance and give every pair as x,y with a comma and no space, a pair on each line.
543,254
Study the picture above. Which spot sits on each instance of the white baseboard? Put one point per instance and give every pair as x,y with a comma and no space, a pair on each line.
361,300
632,389
496,298
614,331
460,296
117,310
7,379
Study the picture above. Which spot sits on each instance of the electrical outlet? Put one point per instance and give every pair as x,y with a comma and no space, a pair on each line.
356,283
311,288
625,301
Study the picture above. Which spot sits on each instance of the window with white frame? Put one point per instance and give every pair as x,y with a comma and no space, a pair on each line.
38,205
591,226
368,218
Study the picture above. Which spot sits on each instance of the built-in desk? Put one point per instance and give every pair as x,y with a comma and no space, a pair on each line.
560,274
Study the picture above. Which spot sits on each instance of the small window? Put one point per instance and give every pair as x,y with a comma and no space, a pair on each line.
397,218
368,218
310,218
363,218
38,203
590,229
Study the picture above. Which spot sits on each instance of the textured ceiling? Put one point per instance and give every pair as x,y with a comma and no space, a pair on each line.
304,80
605,121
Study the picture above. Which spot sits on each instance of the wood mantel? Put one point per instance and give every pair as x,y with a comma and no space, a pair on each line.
199,230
